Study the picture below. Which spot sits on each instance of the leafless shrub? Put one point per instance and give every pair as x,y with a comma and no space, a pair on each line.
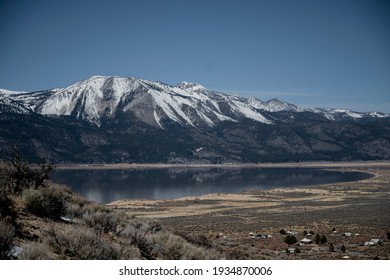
146,225
145,245
154,242
173,247
130,252
102,221
94,215
80,242
35,251
78,206
73,210
137,237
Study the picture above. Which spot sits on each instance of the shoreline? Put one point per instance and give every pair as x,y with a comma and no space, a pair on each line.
165,208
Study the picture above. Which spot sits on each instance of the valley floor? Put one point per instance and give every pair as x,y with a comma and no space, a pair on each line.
348,214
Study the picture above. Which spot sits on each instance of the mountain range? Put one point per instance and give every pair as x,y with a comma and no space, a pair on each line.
114,119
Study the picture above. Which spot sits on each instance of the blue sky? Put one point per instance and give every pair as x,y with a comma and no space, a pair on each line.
331,53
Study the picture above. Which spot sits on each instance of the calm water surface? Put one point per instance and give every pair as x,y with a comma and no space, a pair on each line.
108,185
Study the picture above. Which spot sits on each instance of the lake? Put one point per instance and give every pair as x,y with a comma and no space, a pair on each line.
105,186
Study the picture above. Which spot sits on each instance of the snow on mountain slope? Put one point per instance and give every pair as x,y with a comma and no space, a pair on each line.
346,112
157,104
188,105
190,86
378,115
151,102
9,105
242,107
89,99
10,92
337,114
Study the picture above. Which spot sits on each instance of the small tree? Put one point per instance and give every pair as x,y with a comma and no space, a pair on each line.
21,176
323,239
318,238
343,249
282,231
290,239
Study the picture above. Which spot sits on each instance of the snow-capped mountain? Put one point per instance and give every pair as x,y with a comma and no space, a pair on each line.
156,103
151,102
115,119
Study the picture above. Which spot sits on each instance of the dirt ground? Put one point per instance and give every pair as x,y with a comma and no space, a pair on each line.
348,214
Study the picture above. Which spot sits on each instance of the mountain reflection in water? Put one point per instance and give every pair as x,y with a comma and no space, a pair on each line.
105,186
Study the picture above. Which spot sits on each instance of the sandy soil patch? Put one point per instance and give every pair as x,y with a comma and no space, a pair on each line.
189,206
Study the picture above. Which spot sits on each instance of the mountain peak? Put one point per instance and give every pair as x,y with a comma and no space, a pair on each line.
276,104
276,100
93,77
190,86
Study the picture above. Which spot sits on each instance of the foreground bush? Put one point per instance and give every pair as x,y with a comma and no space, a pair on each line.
101,218
35,251
79,242
7,209
155,243
47,202
173,247
7,233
